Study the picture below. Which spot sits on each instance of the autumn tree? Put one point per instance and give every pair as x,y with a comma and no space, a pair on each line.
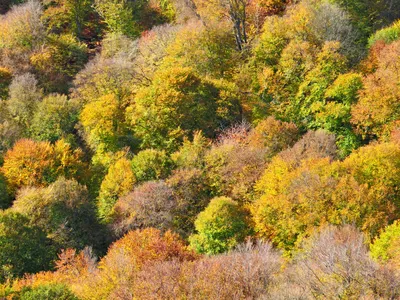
118,182
151,204
296,199
103,122
137,250
375,119
312,145
177,104
31,163
335,263
250,270
192,194
274,135
22,33
59,61
210,50
28,163
232,169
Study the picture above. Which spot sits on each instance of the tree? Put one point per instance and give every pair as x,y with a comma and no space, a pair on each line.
118,182
296,199
54,118
329,65
385,248
274,135
335,263
104,77
151,204
10,130
5,81
59,61
22,28
22,33
209,50
312,145
232,11
137,250
151,164
24,248
192,194
220,227
335,114
44,292
78,12
119,15
28,163
5,199
63,211
31,163
232,169
177,104
104,123
191,153
249,271
370,15
387,35
376,119
25,95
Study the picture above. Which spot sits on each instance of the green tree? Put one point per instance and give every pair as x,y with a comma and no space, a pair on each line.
119,15
5,199
221,226
151,164
329,64
388,34
47,292
385,247
5,80
55,117
23,248
63,211
191,153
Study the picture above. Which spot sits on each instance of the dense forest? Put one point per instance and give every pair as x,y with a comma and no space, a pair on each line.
199,149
